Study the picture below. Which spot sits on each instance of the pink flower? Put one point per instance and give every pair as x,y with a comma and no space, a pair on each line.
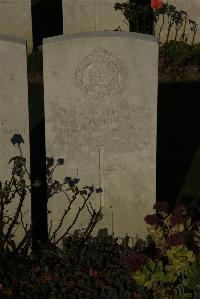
1,286
175,240
176,220
156,4
180,210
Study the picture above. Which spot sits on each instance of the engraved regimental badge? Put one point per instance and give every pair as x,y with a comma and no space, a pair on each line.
100,74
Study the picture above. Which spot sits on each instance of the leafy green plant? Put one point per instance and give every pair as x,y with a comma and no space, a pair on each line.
178,52
98,274
7,245
164,265
176,254
195,53
175,56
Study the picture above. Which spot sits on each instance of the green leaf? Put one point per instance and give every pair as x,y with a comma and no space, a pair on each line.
145,270
192,274
151,265
160,266
159,276
170,277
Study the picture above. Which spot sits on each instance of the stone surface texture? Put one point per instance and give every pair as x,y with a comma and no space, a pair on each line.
14,117
91,15
100,93
16,20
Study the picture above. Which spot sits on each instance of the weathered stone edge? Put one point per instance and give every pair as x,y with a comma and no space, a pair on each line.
12,39
123,34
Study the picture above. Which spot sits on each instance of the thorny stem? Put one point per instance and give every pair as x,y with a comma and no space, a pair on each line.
62,219
22,196
156,18
195,31
1,225
25,228
75,219
24,163
169,28
185,23
2,242
13,181
177,29
161,27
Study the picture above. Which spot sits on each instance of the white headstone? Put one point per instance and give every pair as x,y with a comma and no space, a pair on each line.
14,117
91,15
16,20
100,93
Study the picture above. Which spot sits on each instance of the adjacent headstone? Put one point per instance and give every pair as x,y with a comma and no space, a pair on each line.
193,9
15,20
14,118
99,15
91,15
100,93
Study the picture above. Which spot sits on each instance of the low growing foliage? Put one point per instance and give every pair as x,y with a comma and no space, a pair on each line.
164,265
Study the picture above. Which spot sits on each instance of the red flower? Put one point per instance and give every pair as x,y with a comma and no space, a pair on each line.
156,4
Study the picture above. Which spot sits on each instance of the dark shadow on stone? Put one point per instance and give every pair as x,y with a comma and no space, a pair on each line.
191,184
178,139
38,164
47,20
177,136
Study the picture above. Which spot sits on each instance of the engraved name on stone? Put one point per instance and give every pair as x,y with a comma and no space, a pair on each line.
97,127
84,4
4,128
100,74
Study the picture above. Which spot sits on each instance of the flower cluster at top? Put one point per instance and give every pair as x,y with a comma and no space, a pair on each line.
156,4
180,210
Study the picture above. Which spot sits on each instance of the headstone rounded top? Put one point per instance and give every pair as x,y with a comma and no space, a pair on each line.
109,34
